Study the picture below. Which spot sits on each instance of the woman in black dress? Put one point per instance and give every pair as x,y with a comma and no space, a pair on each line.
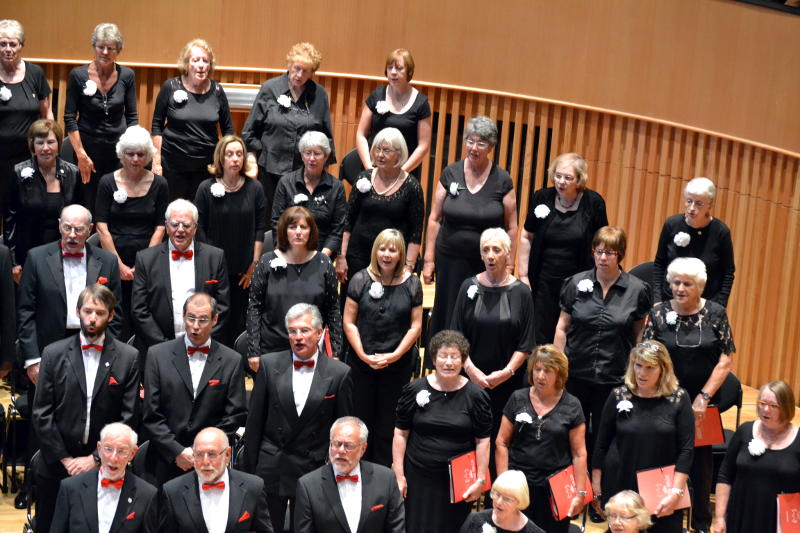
698,336
397,105
695,233
40,188
293,273
382,322
439,417
231,208
100,106
494,311
646,423
542,432
510,498
24,98
131,203
763,461
472,195
315,189
188,111
556,241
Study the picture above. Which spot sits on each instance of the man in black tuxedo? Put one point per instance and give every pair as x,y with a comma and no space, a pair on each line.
190,383
8,313
111,499
168,273
213,499
297,396
86,381
349,495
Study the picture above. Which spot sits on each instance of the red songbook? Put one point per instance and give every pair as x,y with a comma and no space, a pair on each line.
463,473
708,430
563,489
789,513
656,484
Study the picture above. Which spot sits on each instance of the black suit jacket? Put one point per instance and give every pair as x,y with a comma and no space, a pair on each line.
42,310
318,508
76,506
281,446
247,509
59,406
151,299
172,415
8,310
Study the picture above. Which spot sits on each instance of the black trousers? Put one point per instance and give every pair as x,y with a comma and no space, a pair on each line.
700,476
593,397
277,512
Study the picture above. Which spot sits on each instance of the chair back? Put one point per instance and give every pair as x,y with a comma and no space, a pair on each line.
269,242
350,167
644,271
94,239
730,395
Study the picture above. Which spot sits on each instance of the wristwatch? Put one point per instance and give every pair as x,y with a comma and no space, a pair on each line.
677,492
582,493
706,396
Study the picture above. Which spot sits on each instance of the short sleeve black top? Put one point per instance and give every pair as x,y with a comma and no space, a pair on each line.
712,245
540,446
475,523
21,110
370,213
189,127
695,342
233,221
443,427
406,122
103,117
600,335
466,215
327,205
384,321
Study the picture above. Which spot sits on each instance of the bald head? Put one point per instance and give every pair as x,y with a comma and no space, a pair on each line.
212,453
75,225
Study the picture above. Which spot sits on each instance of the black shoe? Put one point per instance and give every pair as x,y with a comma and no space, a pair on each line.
21,501
594,516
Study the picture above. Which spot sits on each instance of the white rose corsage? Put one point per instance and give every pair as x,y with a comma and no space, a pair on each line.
376,289
488,528
756,447
472,291
624,406
26,173
320,199
89,88
277,262
682,239
180,96
423,398
217,190
541,211
672,318
455,188
523,418
120,196
300,198
5,93
586,285
285,101
363,185
382,107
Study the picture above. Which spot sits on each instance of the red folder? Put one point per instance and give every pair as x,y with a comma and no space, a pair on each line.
563,489
789,513
655,484
463,473
708,430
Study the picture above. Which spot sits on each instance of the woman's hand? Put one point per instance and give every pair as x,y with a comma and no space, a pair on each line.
252,163
667,505
429,272
401,483
598,507
16,273
576,506
125,272
341,268
247,277
699,407
474,491
497,377
158,169
86,166
477,376
719,525
254,363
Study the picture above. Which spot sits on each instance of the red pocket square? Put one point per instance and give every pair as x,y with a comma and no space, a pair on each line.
245,516
102,280
131,516
329,397
112,381
213,382
211,282
141,393
376,507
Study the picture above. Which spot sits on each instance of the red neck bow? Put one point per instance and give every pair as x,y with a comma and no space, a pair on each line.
177,254
98,347
105,482
218,485
300,364
65,253
191,350
353,478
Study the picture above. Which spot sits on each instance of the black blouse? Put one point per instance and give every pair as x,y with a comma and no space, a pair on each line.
21,110
407,122
475,524
103,117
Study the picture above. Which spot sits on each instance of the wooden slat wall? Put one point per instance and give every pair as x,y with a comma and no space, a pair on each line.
639,166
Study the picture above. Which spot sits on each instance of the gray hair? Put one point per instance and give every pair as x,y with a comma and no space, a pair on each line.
298,310
631,502
688,266
393,138
181,205
483,127
209,299
701,187
119,427
107,31
76,207
496,234
136,137
362,427
13,29
314,139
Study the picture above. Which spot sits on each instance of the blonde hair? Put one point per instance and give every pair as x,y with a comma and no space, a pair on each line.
304,53
578,164
631,502
549,357
652,353
186,55
389,236
513,483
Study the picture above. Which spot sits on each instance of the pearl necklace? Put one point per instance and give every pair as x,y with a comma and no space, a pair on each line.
565,206
390,187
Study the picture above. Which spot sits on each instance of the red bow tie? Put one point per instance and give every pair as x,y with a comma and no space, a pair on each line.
98,347
353,478
300,364
68,254
177,254
218,485
192,349
105,482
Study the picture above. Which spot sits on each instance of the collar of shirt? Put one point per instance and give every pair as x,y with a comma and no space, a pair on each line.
308,91
188,343
305,368
83,340
81,259
214,504
322,187
354,472
622,280
350,496
171,247
107,502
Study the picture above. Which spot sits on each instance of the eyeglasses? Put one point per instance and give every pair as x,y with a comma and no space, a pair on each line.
312,153
131,155
385,151
503,498
110,49
79,230
607,253
613,517
209,455
348,446
301,332
110,450
568,178
762,404
185,225
193,319
479,144
690,201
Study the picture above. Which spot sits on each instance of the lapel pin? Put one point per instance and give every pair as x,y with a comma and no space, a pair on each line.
108,364
130,500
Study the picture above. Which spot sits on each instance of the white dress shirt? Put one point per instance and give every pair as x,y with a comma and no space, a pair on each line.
197,362
350,495
91,361
215,504
181,275
301,382
107,501
74,283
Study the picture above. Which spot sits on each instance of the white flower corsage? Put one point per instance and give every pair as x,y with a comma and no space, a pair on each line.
454,188
5,93
472,291
217,190
672,318
382,107
585,285
756,447
285,101
423,398
488,528
278,262
376,289
541,211
120,196
682,239
300,197
624,406
180,96
363,185
26,173
89,88
320,199
523,418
